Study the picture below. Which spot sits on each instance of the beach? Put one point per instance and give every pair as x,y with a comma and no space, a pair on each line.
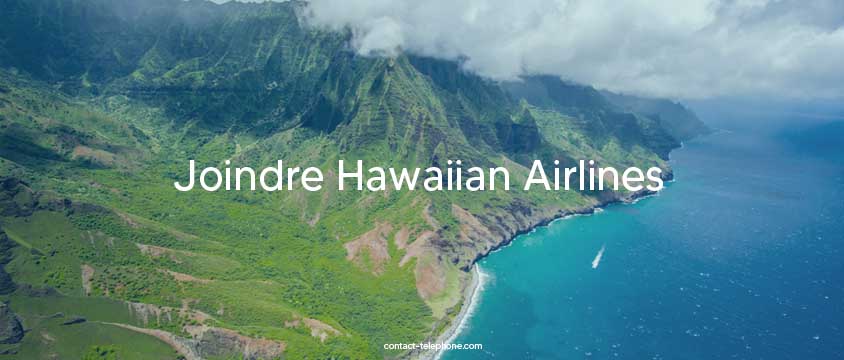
471,295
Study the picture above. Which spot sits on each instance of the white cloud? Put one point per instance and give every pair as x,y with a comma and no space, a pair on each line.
684,49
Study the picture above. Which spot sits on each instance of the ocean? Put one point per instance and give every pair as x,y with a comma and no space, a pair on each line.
739,258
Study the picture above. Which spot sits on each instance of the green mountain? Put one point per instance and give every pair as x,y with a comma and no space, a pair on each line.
103,102
681,123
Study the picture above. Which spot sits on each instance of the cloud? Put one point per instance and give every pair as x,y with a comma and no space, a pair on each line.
680,49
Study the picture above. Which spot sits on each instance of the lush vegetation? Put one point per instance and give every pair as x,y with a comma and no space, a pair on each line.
102,103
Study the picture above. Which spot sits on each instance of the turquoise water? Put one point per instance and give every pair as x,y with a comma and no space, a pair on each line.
741,257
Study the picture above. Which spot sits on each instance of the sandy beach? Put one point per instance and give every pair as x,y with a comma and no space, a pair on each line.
471,294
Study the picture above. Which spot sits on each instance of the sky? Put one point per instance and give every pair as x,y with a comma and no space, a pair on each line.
694,49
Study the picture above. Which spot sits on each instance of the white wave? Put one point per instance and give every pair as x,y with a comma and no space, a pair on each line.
463,319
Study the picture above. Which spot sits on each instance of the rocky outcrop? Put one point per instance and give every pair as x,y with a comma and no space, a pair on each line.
11,330
318,328
150,314
218,342
212,342
371,247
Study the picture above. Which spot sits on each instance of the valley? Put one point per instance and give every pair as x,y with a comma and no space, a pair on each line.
99,117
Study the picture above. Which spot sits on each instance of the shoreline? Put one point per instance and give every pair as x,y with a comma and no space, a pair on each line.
471,294
476,284
598,206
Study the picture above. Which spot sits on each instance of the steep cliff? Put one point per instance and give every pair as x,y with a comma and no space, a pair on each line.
102,103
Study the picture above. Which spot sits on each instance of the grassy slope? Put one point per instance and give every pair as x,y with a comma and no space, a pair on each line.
253,86
242,245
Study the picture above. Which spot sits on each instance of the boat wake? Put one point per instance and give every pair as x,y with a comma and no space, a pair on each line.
598,257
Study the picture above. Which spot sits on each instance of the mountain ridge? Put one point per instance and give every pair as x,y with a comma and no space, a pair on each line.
105,106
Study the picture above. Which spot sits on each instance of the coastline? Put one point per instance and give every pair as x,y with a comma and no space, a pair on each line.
470,294
598,206
476,284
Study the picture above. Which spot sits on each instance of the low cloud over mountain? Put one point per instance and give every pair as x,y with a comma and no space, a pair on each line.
689,49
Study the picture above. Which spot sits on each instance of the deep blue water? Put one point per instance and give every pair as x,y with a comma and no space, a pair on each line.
741,257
